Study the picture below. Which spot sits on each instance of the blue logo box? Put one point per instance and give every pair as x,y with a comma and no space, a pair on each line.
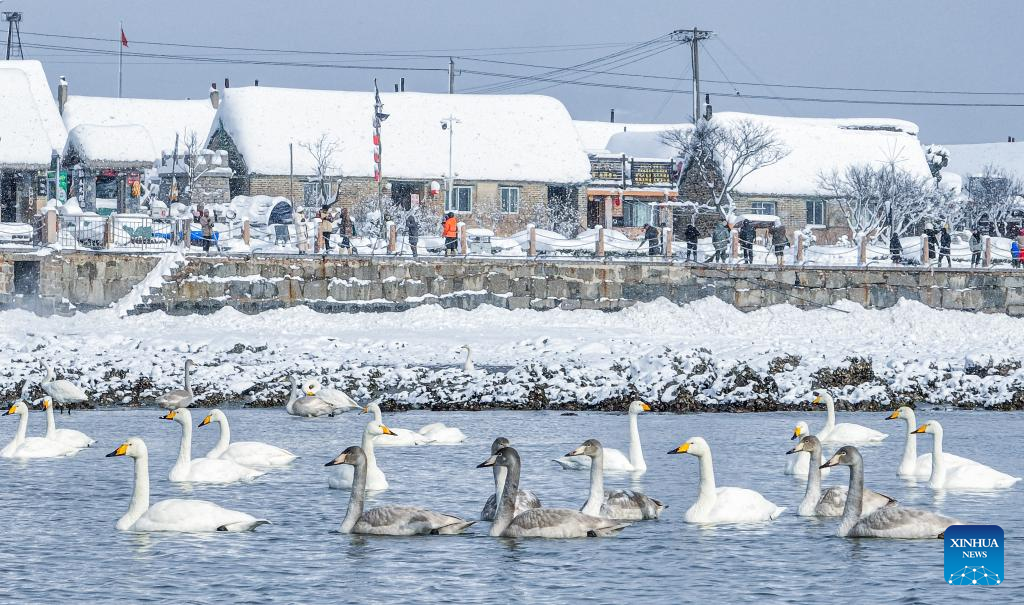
974,555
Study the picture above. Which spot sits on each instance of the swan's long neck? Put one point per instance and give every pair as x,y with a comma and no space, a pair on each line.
707,495
225,436
355,503
377,416
51,426
367,445
830,418
469,356
909,462
636,452
188,379
854,498
938,476
813,492
19,437
50,375
500,472
596,499
294,395
185,448
507,503
140,494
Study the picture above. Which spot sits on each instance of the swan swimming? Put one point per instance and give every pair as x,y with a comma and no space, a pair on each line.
32,447
623,504
306,406
539,522
832,502
69,437
441,434
967,476
400,437
913,466
389,520
525,499
62,391
247,453
337,399
179,398
175,514
203,470
614,460
343,476
885,522
723,504
844,432
799,464
467,366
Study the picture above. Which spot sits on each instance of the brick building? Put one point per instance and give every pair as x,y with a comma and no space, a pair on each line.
515,159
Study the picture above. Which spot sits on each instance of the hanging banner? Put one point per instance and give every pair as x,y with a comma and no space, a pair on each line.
652,173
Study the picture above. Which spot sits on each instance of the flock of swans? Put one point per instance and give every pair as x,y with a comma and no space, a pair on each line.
512,511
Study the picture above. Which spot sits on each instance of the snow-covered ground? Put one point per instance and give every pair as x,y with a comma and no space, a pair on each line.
680,357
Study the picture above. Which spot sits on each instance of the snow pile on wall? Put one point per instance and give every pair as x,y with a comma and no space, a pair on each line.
169,263
256,208
162,119
969,160
112,146
23,139
515,137
42,97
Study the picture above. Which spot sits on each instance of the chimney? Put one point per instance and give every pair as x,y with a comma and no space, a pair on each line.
612,120
256,83
707,107
396,87
214,95
403,84
226,84
62,94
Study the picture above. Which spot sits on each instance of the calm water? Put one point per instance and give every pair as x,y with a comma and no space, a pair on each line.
59,543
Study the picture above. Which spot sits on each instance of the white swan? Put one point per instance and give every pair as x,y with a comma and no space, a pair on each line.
247,453
885,522
913,466
69,437
342,477
799,464
174,514
179,398
627,505
970,475
306,406
388,520
62,391
723,504
338,399
525,499
400,437
441,434
615,460
844,432
467,366
832,502
203,470
32,447
539,522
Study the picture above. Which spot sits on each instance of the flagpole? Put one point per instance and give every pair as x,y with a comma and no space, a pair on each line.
120,57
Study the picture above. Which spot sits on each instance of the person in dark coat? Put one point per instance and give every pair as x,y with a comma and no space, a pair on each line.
347,230
895,248
652,235
720,240
779,241
933,240
692,234
976,247
944,244
412,229
747,235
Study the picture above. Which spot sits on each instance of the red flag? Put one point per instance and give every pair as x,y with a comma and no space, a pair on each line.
124,39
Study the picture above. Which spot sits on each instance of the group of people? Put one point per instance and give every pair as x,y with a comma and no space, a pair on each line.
941,240
721,236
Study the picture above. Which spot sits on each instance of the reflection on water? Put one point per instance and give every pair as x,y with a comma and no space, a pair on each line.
61,544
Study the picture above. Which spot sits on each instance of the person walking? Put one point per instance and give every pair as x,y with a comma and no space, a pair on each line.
692,234
779,241
720,241
301,230
206,224
412,230
652,236
1015,252
450,232
747,235
945,242
976,247
933,241
348,231
326,227
895,248
1019,255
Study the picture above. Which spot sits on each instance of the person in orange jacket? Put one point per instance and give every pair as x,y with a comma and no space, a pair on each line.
450,231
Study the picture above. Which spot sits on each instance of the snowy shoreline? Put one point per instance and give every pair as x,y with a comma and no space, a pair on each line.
704,356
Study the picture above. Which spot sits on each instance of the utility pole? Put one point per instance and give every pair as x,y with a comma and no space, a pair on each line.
693,38
13,31
449,125
451,76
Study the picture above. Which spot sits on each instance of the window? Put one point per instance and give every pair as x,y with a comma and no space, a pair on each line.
762,207
462,200
816,212
635,213
509,199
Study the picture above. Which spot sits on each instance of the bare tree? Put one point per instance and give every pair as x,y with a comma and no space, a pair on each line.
322,150
194,167
992,196
723,154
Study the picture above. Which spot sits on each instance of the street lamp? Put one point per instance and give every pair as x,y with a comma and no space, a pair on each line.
449,125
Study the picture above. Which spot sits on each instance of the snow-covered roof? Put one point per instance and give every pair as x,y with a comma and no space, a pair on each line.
815,145
162,119
39,94
23,140
127,146
968,160
514,138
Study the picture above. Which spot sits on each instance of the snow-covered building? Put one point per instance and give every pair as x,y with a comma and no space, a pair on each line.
788,189
117,155
515,159
30,134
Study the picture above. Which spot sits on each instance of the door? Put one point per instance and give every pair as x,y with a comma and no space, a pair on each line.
8,198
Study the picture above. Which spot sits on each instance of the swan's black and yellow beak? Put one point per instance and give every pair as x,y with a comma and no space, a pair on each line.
120,451
168,416
386,430
489,462
895,415
645,407
796,433
341,459
13,409
46,403
817,399
921,429
206,420
794,450
682,449
576,452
